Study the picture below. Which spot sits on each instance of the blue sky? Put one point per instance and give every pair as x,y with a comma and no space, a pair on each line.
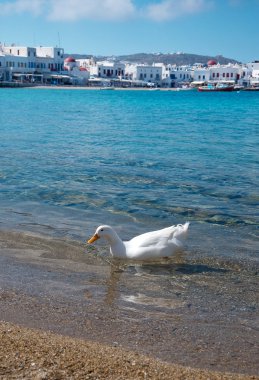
117,27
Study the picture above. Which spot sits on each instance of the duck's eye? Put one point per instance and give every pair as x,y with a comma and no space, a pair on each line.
102,229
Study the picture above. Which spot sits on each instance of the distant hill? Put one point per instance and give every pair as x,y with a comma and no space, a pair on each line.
149,58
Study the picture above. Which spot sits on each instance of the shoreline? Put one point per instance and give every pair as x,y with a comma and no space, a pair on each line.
73,87
106,88
34,354
69,293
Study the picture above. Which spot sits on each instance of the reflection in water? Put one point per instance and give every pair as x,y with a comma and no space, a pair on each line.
174,269
116,270
142,299
133,274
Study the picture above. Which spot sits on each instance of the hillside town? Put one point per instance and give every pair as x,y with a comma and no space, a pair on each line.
34,66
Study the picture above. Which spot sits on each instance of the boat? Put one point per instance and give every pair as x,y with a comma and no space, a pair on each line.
238,87
107,88
252,88
216,87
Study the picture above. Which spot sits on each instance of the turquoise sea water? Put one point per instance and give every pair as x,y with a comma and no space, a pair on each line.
139,160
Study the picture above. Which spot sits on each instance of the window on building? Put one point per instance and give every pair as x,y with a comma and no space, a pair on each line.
224,75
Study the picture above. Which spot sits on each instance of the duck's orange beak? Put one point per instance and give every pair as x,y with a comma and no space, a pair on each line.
93,239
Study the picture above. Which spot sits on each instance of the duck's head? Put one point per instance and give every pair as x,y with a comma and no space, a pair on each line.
105,232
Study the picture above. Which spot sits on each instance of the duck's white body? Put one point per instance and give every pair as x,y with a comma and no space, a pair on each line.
151,245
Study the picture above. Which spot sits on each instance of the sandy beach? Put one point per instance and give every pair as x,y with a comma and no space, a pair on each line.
31,354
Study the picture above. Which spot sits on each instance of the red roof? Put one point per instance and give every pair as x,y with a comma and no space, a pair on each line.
69,59
212,62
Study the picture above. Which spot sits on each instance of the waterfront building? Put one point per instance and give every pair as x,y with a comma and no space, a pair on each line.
109,70
130,70
224,73
2,67
253,68
177,76
216,73
149,74
201,75
30,64
88,64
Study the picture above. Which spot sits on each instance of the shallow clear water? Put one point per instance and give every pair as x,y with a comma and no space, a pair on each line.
139,160
195,312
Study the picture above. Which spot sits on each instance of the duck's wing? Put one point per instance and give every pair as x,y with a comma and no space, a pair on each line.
154,237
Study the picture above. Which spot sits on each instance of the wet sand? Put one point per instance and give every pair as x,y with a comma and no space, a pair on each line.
75,314
32,354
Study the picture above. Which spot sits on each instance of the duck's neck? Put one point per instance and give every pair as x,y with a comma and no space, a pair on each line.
117,247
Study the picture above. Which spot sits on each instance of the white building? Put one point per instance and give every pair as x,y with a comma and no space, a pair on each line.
149,74
88,64
253,68
177,76
201,75
29,64
225,73
213,72
110,70
78,74
47,65
2,67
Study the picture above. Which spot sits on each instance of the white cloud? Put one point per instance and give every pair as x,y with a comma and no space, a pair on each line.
32,6
172,9
73,10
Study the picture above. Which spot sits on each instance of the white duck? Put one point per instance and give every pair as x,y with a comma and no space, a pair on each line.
151,245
